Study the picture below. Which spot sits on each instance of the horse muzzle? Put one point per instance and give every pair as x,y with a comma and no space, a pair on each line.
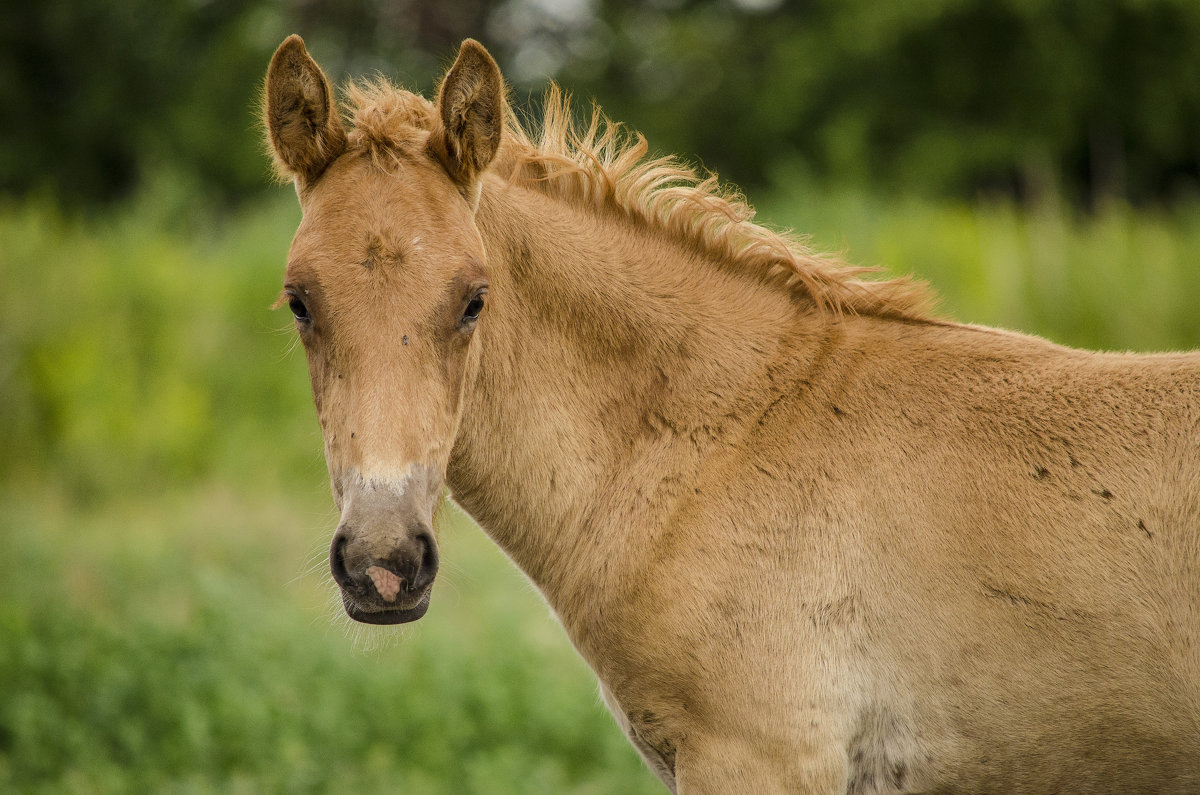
384,556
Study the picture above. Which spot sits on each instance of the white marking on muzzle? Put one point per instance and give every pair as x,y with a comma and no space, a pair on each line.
389,478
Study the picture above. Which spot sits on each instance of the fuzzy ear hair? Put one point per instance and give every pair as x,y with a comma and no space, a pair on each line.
471,104
303,127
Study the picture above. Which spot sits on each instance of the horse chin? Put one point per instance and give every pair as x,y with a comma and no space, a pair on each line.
394,615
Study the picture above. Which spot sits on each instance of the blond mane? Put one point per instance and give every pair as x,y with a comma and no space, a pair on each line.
605,167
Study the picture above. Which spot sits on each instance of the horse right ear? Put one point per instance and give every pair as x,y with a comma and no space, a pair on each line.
472,107
303,128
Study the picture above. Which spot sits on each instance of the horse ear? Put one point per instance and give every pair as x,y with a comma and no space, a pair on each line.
303,127
471,103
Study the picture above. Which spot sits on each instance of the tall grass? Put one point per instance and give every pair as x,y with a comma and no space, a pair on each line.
169,643
165,620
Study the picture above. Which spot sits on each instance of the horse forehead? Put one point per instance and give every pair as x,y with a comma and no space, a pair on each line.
360,204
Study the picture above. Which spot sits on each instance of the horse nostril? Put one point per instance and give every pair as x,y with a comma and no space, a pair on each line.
337,558
428,556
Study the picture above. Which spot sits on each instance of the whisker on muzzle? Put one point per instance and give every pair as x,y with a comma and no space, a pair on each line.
316,562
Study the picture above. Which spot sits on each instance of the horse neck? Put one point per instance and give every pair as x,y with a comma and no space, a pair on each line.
613,362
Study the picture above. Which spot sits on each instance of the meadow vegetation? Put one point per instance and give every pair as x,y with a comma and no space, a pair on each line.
166,620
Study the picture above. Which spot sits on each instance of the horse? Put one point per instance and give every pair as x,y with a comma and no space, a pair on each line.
810,536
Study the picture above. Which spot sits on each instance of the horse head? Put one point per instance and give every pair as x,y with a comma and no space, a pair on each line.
387,280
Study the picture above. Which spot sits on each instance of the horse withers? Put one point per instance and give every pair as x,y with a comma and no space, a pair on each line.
810,537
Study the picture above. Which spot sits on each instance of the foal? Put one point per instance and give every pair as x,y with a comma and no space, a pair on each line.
809,538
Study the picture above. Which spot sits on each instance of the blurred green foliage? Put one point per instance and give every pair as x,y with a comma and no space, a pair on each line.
96,96
940,97
132,352
1113,278
160,646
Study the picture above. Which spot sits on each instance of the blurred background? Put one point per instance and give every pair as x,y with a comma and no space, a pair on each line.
166,621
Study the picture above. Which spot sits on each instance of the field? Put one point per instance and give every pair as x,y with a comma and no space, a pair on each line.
166,621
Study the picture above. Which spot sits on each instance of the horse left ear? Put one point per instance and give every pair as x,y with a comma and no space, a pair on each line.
471,104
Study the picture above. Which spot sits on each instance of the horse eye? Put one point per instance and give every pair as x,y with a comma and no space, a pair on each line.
299,309
473,309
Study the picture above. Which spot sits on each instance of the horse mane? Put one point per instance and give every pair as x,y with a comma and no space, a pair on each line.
603,166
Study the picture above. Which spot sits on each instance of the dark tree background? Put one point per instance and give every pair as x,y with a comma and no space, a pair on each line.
1095,98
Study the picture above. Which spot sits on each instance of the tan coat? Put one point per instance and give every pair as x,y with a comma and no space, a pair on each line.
809,538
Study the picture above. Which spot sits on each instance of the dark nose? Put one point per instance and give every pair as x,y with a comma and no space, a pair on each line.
414,560
420,565
337,558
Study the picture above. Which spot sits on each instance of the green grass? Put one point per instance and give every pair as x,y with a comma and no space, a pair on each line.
171,643
166,623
